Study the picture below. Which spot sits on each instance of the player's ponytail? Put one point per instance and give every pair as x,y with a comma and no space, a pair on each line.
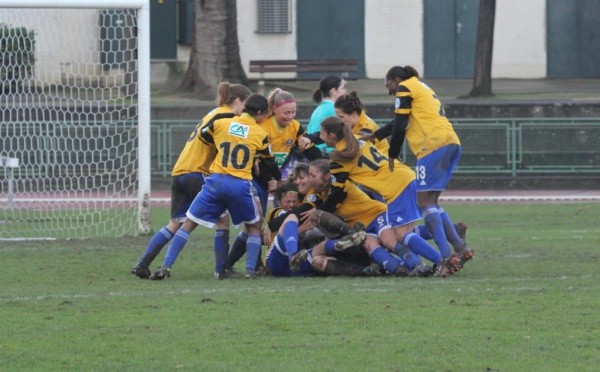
335,125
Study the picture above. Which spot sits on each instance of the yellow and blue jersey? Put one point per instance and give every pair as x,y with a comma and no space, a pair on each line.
238,141
197,156
428,128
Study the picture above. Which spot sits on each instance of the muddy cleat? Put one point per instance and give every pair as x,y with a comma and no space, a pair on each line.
461,230
465,256
141,272
402,272
220,276
358,226
350,241
372,270
421,271
447,267
297,259
161,274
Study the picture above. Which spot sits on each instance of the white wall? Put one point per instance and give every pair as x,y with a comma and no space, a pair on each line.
393,37
520,39
263,46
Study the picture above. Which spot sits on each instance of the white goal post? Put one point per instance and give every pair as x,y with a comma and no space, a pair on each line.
74,118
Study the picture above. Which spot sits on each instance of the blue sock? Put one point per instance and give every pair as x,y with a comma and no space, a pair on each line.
408,256
423,232
384,259
252,253
450,231
422,248
238,249
330,247
158,241
433,220
221,244
290,237
179,240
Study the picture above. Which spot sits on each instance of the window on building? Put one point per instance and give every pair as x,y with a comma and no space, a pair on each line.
274,16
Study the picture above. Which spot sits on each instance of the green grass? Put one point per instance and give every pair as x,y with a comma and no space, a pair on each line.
528,301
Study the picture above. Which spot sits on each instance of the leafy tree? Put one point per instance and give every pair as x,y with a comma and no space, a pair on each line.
482,79
215,50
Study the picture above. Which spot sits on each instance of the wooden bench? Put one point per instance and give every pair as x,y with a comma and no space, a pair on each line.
339,66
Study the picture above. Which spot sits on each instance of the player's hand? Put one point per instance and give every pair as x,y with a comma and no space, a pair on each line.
266,236
306,216
366,136
272,186
303,143
391,164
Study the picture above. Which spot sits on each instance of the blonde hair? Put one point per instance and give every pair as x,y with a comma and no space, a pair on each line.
277,96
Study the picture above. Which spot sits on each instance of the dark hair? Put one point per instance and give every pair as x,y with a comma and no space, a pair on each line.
227,93
323,165
326,84
335,125
300,167
349,103
285,188
256,104
402,73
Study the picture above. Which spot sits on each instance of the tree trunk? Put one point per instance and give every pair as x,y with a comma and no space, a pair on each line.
215,51
482,79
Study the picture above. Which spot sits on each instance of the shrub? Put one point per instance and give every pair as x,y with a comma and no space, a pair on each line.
17,54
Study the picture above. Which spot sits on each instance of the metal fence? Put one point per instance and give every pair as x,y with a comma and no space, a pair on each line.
489,146
511,147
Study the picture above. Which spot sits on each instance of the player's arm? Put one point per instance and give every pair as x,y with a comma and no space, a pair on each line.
403,105
275,223
338,192
207,132
311,152
223,115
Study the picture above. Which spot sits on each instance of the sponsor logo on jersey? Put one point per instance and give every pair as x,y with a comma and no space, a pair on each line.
289,142
361,143
397,102
311,198
238,130
333,179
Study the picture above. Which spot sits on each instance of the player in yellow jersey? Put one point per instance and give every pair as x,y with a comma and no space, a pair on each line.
189,173
238,140
353,205
285,134
351,110
369,168
420,118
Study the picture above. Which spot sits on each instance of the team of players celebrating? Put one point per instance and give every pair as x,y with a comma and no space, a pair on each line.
349,209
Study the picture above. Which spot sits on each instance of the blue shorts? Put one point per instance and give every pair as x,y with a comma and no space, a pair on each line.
223,192
435,170
278,261
184,189
378,225
404,210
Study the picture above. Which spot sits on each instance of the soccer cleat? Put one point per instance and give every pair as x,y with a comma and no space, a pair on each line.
447,267
141,272
220,276
421,271
297,259
465,256
402,272
251,276
161,273
350,241
461,230
358,226
372,270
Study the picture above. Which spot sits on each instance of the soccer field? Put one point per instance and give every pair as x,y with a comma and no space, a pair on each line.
528,301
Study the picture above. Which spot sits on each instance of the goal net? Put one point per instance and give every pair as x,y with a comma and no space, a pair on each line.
74,119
